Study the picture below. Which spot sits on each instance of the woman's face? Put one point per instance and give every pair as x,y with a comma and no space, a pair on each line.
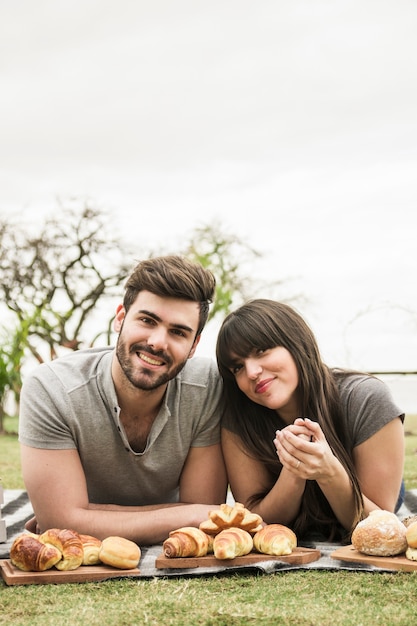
269,378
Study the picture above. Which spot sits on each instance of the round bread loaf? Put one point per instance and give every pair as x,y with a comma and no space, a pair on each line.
411,535
119,552
380,534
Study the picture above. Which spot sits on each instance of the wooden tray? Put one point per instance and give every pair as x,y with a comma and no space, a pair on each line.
297,557
83,574
400,562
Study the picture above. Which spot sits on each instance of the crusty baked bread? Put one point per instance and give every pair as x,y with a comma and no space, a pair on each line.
68,543
380,534
119,552
275,539
31,555
186,541
228,516
411,535
232,542
91,549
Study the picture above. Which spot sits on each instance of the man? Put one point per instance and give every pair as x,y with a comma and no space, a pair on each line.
125,441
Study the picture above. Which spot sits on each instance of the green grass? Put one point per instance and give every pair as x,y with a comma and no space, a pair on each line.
10,474
309,598
302,598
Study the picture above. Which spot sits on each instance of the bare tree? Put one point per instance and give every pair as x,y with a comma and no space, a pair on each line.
233,262
51,280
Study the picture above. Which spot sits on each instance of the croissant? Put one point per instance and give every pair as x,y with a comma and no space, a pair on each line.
91,549
227,516
186,541
68,543
275,539
232,542
31,555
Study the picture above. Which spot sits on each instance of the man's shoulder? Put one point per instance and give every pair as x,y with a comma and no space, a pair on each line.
199,371
88,355
78,364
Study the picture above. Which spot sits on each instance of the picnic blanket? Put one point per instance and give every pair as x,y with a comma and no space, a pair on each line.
16,510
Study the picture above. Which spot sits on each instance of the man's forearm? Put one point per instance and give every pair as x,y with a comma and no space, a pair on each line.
146,525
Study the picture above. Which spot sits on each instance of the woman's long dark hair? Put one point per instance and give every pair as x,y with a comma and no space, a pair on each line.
261,325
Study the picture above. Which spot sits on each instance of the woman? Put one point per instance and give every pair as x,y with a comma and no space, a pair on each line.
307,446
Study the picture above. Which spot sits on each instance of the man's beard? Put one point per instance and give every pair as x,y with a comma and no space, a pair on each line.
139,376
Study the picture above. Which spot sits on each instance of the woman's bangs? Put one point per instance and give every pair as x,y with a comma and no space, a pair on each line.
239,341
231,343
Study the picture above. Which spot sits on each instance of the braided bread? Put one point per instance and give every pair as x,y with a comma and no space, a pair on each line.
227,516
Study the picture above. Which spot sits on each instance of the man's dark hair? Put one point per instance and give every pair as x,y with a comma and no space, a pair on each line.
172,277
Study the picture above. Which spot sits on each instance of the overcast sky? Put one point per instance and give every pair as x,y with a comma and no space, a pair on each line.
293,122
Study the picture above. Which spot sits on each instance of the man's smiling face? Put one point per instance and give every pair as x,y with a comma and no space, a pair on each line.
156,338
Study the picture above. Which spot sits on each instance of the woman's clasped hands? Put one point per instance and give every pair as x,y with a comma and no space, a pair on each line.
303,450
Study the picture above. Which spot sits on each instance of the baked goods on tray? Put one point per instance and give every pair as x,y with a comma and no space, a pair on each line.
66,550
230,531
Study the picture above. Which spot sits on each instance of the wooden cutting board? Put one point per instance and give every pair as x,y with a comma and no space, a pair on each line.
348,553
86,573
299,556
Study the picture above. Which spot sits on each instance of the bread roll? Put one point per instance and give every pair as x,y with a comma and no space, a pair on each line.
380,534
186,541
228,516
91,549
411,535
411,553
68,543
119,552
232,542
275,539
31,555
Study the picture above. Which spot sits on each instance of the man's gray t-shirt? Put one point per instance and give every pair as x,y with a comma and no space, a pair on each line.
71,403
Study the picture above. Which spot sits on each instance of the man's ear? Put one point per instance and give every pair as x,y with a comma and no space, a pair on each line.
194,347
118,320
